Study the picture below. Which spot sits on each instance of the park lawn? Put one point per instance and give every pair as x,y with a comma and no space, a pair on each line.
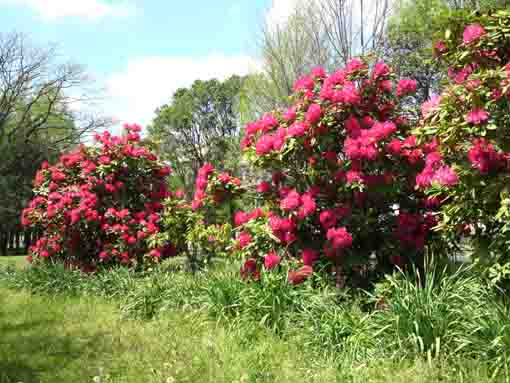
74,340
18,261
62,339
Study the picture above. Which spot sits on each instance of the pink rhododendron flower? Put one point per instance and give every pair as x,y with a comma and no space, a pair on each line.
348,95
291,201
430,106
445,176
367,121
340,238
245,239
440,47
156,253
252,128
355,65
201,183
271,260
327,219
164,171
386,86
264,187
477,116
433,158
257,213
297,129
268,122
57,175
304,83
249,269
394,146
290,114
299,276
196,204
406,87
206,170
380,70
104,160
224,178
483,156
353,176
308,206
353,127
496,94
472,33
240,218
264,144
313,114
318,72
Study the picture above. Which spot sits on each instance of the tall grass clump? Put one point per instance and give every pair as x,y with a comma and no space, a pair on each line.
221,295
430,314
328,323
55,279
161,292
487,337
52,279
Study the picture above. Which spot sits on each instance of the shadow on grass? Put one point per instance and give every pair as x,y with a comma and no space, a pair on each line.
39,350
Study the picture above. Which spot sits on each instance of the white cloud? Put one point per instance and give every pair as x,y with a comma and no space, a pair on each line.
280,11
149,82
88,9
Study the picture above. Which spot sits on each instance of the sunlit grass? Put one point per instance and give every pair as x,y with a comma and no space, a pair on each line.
75,340
63,339
18,261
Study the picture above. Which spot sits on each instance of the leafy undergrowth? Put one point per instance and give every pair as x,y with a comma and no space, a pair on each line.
169,326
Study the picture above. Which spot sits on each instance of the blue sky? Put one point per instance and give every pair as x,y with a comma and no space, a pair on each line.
140,51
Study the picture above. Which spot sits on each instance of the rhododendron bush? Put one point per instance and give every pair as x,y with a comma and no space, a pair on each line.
200,228
344,170
100,203
471,120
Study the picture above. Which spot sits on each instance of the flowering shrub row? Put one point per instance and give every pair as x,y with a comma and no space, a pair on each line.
350,180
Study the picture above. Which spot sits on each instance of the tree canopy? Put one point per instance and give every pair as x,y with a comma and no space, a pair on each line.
42,112
199,125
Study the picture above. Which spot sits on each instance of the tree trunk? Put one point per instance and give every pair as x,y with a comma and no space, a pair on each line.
339,277
3,243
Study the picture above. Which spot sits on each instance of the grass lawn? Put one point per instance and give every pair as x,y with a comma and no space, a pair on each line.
16,260
75,340
60,339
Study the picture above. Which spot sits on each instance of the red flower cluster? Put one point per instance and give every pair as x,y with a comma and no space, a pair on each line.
470,120
436,171
340,156
484,157
100,203
213,187
412,229
472,33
